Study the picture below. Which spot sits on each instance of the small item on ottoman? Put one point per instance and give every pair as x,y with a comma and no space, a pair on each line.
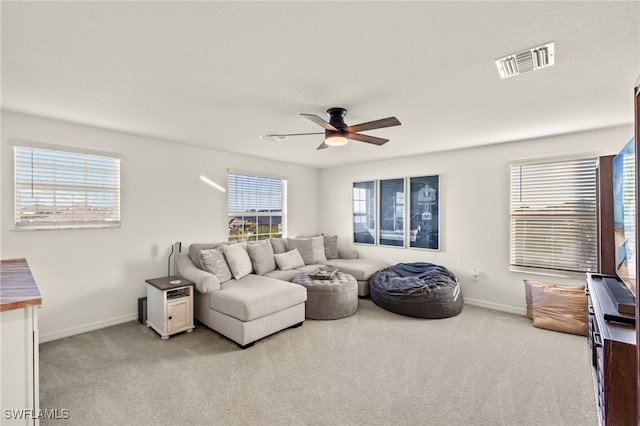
324,273
419,289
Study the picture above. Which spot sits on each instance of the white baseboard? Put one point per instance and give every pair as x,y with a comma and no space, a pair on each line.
87,327
495,306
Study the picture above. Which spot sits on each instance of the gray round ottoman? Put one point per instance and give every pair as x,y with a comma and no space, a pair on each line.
329,299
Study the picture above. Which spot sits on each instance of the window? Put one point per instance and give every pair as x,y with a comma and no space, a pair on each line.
413,200
553,215
61,189
257,207
364,212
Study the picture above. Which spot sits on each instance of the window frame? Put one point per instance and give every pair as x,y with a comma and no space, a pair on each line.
380,206
582,212
282,214
69,188
432,206
371,212
395,203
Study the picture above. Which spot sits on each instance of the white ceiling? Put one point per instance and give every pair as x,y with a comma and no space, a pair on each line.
220,74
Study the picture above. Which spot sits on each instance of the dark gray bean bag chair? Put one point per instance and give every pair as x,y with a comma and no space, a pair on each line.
419,289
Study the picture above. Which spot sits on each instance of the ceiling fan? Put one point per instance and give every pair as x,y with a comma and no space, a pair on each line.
337,133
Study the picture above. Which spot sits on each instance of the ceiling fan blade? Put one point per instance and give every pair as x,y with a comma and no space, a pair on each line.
283,136
322,146
366,138
319,121
376,124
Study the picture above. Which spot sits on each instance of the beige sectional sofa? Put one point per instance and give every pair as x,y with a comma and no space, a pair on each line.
244,290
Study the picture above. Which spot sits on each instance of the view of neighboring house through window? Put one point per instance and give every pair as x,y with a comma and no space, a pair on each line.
58,189
553,215
257,207
364,212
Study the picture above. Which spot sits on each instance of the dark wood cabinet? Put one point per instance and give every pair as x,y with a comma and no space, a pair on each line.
612,349
604,213
636,106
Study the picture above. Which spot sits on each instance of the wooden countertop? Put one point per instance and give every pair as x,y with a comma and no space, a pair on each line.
164,283
18,289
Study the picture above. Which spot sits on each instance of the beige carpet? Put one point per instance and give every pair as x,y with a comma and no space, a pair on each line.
482,367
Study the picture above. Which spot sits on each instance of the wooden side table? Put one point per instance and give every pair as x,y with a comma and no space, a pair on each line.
169,305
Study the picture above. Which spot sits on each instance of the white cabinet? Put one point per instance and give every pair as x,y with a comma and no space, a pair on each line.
169,305
19,302
179,314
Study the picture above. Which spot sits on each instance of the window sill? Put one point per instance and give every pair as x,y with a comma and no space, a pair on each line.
548,272
66,227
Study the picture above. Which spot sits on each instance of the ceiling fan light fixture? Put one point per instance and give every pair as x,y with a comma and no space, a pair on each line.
337,133
335,139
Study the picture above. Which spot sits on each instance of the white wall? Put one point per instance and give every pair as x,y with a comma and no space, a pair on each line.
474,209
93,278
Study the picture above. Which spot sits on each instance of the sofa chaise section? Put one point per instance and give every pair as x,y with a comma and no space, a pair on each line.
244,310
254,308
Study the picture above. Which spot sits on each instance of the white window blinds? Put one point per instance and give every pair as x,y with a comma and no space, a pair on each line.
57,189
553,215
257,207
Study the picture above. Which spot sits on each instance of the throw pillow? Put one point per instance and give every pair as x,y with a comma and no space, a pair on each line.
279,245
331,247
213,261
289,260
311,249
194,251
559,308
317,245
238,260
261,255
304,247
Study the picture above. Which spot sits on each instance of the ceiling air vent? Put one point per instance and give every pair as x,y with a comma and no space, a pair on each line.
527,60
